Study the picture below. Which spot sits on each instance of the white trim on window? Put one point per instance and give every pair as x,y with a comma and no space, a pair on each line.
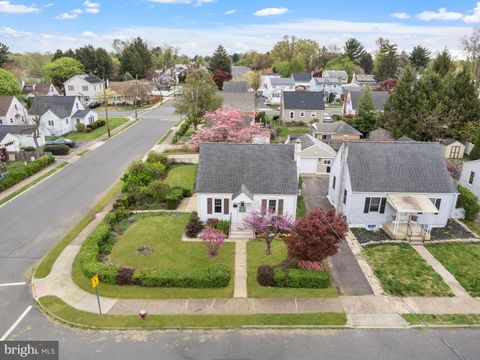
218,205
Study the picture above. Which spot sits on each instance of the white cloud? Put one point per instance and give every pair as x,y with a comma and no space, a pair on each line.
66,16
89,34
475,17
77,11
8,32
441,14
201,2
48,5
271,11
171,1
92,10
400,15
90,4
8,7
230,12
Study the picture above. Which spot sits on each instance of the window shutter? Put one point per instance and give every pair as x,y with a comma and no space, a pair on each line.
226,206
209,205
382,205
280,206
437,203
367,205
264,206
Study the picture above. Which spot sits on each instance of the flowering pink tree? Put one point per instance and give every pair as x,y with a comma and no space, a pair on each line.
226,125
213,239
269,225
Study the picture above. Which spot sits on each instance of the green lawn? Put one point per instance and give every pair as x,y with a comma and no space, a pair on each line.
443,319
403,272
83,136
284,131
182,175
256,256
60,309
301,208
163,234
179,150
473,226
462,260
15,166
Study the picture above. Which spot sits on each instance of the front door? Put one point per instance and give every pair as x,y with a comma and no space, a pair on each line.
239,212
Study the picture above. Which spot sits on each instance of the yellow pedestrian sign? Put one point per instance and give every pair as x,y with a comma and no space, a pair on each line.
95,280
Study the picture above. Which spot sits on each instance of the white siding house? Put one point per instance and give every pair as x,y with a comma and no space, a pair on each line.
470,176
402,187
87,87
16,137
12,111
235,179
312,155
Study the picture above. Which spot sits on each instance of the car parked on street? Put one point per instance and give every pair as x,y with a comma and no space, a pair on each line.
63,141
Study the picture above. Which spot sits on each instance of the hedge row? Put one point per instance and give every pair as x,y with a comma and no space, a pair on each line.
29,169
96,124
182,131
99,242
292,278
59,149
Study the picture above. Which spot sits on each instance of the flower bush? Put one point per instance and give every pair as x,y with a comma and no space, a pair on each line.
310,265
213,238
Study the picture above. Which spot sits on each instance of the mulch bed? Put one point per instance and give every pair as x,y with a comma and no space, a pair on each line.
365,236
452,231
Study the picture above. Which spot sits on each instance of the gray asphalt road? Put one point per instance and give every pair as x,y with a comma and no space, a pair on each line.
34,222
78,344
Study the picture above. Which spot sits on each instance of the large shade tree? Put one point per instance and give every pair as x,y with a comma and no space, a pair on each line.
61,70
3,53
9,85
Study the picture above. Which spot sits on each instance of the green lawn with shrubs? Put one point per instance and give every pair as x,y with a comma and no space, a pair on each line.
19,170
183,176
256,257
83,136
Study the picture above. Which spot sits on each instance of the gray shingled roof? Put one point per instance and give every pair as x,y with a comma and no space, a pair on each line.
242,190
81,113
92,79
282,81
302,76
5,102
322,80
61,106
379,98
261,168
447,142
336,127
240,70
243,102
365,78
416,167
379,132
235,86
299,100
305,140
14,129
334,73
405,138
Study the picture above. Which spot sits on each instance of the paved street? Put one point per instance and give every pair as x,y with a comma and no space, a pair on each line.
32,223
76,344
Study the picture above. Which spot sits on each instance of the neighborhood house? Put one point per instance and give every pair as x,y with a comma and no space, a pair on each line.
402,187
470,176
12,111
16,137
42,89
334,133
340,75
328,86
87,87
302,106
353,98
312,156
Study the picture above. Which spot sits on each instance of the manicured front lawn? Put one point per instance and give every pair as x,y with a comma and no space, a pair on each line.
183,176
462,260
256,256
57,307
161,234
403,272
14,166
443,319
284,131
83,136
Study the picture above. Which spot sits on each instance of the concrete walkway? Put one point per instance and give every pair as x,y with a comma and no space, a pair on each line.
455,286
240,290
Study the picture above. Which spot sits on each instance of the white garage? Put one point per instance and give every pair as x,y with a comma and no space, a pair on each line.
313,156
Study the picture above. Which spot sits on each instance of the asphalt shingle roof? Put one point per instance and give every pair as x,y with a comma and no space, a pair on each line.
302,76
243,102
81,113
261,168
413,167
379,98
312,100
92,79
325,80
61,106
365,78
336,127
334,73
235,86
282,81
5,102
240,70
405,138
14,129
447,142
307,140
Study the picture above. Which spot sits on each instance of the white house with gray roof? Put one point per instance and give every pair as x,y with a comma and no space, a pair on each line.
279,85
60,114
470,176
302,106
353,98
340,75
87,87
312,156
234,179
327,86
12,111
402,187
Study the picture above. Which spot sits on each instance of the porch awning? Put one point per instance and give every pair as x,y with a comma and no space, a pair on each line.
411,203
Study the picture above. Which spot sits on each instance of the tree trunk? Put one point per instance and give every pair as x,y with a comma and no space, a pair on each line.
269,246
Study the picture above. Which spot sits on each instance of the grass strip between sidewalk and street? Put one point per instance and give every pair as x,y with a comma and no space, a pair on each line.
64,312
45,266
442,319
32,183
165,136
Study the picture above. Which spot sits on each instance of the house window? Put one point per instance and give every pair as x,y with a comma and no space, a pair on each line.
455,152
334,182
11,121
472,176
78,121
302,114
345,196
1,121
327,162
292,114
436,202
16,108
66,120
242,208
314,114
50,123
77,105
272,206
374,204
217,206
84,88
71,88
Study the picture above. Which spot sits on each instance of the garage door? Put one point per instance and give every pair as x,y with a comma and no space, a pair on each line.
308,166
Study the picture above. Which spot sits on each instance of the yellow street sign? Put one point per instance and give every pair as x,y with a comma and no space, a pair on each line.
95,280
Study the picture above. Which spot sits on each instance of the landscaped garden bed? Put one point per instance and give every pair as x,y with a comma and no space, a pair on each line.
452,231
19,170
132,253
462,260
403,272
365,236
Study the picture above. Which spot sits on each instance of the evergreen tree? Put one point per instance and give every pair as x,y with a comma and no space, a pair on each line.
386,61
475,153
419,57
220,60
3,53
86,56
366,63
354,50
104,67
367,116
135,57
442,63
57,55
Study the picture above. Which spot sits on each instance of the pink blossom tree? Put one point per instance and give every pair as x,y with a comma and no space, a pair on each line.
226,125
269,225
213,238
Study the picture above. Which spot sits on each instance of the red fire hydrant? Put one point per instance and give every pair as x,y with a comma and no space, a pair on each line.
142,314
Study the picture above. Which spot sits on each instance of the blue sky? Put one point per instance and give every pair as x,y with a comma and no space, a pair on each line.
198,26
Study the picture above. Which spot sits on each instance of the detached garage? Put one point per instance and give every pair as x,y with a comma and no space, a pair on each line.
313,156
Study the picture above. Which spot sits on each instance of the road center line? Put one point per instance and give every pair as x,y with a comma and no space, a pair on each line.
15,324
14,284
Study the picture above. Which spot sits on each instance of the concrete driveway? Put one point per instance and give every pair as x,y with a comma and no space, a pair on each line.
315,189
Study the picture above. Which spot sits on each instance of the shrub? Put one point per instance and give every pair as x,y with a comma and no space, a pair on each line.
275,117
154,157
212,222
28,148
216,276
117,215
155,192
280,277
289,263
310,265
265,275
297,278
31,168
174,197
80,127
88,130
213,239
124,276
194,226
141,174
223,226
469,201
57,149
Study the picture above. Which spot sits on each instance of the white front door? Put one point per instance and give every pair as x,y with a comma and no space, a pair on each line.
240,210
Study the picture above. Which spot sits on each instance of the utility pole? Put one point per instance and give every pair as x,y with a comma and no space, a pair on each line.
135,96
106,107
